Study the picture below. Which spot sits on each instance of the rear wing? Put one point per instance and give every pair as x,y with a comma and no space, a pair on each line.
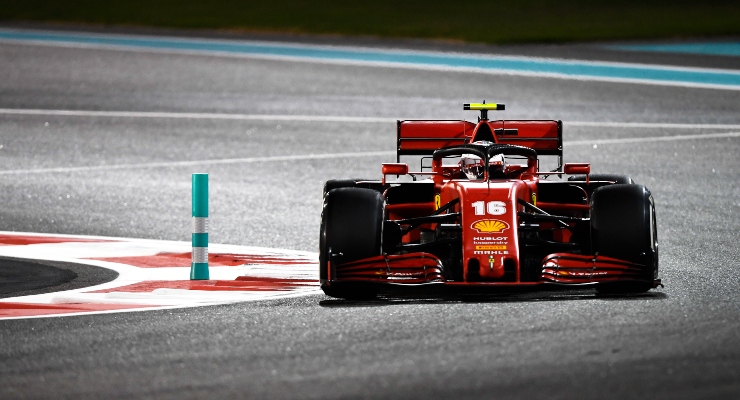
546,137
423,137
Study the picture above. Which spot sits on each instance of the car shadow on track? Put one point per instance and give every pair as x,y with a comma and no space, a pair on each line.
493,298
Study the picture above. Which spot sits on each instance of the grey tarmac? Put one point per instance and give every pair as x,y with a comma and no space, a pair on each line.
679,342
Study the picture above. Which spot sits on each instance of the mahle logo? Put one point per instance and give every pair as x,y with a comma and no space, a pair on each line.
490,226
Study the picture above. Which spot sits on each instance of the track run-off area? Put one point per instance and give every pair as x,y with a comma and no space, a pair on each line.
526,66
100,132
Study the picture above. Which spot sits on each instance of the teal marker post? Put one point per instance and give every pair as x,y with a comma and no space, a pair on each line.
199,266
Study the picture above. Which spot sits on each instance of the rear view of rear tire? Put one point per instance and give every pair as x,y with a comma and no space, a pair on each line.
351,229
623,226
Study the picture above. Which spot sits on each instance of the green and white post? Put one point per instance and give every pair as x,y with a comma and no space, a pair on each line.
199,267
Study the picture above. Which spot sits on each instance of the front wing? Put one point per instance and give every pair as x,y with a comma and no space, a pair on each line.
424,268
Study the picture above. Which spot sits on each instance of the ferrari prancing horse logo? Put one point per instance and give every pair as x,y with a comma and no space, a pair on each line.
490,226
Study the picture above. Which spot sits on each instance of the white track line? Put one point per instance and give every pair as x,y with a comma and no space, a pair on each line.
309,118
321,118
340,155
180,115
409,65
642,125
201,162
654,139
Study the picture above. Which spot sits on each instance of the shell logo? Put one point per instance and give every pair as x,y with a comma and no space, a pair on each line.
490,226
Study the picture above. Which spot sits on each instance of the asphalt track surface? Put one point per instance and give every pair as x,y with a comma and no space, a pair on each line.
129,176
21,277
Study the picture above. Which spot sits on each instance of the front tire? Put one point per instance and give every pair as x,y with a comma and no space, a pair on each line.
338,183
623,226
351,229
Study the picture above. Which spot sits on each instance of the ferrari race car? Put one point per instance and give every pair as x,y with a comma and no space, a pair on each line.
481,215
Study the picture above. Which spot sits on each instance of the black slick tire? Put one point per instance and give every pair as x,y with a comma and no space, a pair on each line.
338,183
351,229
623,226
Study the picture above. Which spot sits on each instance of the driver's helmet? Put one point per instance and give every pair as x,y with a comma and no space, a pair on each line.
472,166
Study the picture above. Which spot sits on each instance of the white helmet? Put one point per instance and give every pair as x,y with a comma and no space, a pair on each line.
472,166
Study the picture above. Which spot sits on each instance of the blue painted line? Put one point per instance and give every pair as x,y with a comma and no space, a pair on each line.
717,49
650,74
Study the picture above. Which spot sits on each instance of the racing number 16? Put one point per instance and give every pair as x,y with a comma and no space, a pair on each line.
491,207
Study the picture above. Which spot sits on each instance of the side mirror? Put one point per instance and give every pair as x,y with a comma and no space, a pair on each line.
394,169
577,168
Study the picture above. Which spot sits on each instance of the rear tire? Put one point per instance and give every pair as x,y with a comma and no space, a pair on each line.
351,229
623,226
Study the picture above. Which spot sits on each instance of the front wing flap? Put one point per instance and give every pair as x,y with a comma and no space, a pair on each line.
412,268
568,269
425,268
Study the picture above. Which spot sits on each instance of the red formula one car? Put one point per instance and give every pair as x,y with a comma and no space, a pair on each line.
481,215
